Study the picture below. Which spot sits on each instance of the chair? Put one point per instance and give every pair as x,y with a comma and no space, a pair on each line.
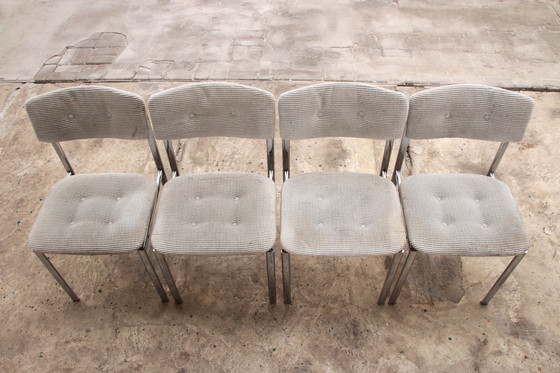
341,213
94,214
463,214
215,213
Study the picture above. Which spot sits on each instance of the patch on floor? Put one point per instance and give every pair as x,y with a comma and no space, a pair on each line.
90,59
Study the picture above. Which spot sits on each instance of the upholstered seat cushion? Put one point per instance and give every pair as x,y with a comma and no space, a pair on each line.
461,214
95,214
341,214
216,213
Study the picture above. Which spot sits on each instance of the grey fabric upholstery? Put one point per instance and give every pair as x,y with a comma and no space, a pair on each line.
88,112
342,110
341,214
213,109
469,111
461,214
216,214
95,214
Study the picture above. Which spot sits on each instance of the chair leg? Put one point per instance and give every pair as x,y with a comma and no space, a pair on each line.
43,258
390,278
503,277
151,271
286,277
403,275
271,275
162,262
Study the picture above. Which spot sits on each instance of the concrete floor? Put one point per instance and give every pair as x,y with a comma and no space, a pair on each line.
226,324
508,43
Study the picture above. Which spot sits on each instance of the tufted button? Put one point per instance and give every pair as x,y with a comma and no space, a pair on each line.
362,226
360,197
192,115
232,113
236,198
444,223
109,115
361,114
193,224
319,198
119,198
447,115
197,198
485,225
72,222
110,222
320,225
486,116
319,113
70,116
83,199
234,223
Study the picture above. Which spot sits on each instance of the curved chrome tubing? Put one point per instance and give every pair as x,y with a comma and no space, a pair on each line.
412,255
386,158
58,277
160,178
271,276
286,277
162,262
390,278
503,277
270,262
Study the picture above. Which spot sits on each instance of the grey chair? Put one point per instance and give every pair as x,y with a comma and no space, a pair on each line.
341,213
463,214
215,213
94,214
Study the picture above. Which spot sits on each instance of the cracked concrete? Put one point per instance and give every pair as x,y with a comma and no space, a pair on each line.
510,43
89,59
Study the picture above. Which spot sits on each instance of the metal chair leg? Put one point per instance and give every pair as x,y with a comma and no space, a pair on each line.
403,275
390,278
43,258
503,277
151,271
162,262
286,280
271,275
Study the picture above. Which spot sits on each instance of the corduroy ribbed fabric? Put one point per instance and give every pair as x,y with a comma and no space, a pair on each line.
342,110
213,109
341,214
95,214
88,112
216,213
469,111
462,214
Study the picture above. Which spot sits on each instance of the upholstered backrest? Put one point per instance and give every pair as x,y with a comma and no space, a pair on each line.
213,109
469,111
88,112
342,110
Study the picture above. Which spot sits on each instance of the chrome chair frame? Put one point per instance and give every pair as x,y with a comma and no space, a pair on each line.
285,256
270,262
412,252
161,178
